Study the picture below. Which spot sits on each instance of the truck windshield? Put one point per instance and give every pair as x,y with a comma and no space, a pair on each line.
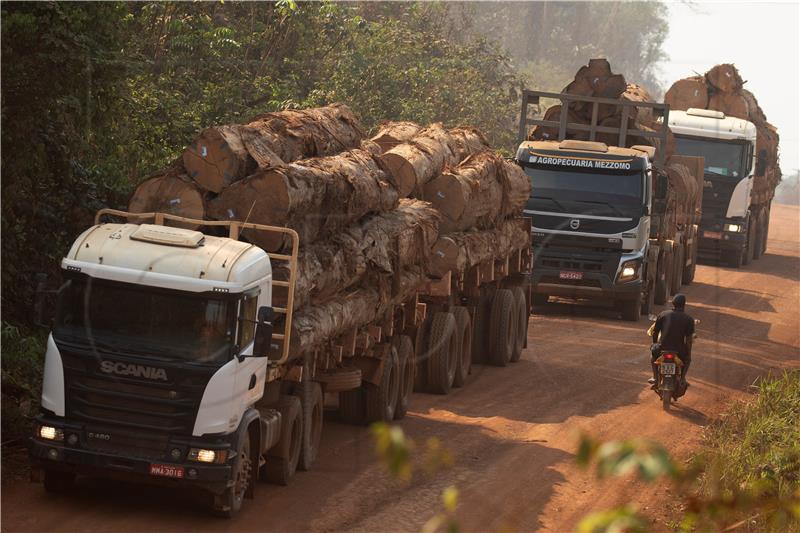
586,192
122,317
723,158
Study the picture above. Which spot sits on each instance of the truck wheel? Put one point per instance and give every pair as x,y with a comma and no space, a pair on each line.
311,402
688,272
734,258
464,339
405,360
765,232
442,353
380,400
521,310
758,248
229,503
647,302
632,310
749,251
503,327
663,278
678,262
282,458
421,354
340,379
480,326
57,481
351,406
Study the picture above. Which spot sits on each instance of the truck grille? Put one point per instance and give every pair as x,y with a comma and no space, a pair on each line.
126,405
131,444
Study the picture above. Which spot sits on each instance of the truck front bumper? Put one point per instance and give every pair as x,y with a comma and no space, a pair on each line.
713,248
593,286
76,458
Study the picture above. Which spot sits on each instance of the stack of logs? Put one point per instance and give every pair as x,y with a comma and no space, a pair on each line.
722,89
597,80
376,217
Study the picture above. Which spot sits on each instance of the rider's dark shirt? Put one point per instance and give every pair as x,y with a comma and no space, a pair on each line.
676,329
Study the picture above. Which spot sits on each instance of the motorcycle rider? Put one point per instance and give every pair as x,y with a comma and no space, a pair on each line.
673,331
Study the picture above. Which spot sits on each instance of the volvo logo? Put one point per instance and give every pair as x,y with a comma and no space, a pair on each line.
574,223
124,369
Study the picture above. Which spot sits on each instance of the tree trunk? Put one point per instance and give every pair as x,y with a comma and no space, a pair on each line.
459,251
550,133
383,244
732,104
224,154
725,78
478,193
410,165
390,134
686,93
637,93
315,197
170,192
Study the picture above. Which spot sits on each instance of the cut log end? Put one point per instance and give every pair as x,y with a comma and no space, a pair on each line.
446,195
168,194
210,159
400,171
443,255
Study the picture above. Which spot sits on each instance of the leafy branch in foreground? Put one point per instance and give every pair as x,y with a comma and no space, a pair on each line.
747,476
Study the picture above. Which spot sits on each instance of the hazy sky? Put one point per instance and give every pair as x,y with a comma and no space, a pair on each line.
761,39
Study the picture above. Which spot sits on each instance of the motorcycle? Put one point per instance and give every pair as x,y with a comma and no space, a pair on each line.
670,385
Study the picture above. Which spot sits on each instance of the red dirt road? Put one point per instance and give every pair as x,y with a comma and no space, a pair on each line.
512,431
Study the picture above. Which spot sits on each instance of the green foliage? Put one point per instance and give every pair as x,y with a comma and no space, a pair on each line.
22,361
748,474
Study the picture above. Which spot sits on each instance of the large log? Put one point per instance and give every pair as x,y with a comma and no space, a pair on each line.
756,114
459,251
637,93
169,191
732,104
315,197
222,155
316,325
483,189
725,78
550,133
465,141
687,93
412,164
390,134
382,244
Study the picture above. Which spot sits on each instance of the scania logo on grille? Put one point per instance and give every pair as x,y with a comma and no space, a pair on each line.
139,371
574,223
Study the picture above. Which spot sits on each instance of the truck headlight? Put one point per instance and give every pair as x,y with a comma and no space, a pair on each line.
629,270
207,456
50,433
733,228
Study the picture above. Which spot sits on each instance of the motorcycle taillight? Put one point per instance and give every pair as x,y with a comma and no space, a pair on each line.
669,356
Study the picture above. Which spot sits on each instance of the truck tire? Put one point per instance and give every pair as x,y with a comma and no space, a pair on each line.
229,503
351,406
503,328
57,481
310,394
380,400
689,271
765,231
420,355
663,278
464,339
282,459
758,249
521,312
749,251
733,258
480,326
442,353
340,379
405,361
678,262
648,300
631,309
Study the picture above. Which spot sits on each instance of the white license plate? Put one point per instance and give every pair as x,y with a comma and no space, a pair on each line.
166,470
712,234
668,368
567,274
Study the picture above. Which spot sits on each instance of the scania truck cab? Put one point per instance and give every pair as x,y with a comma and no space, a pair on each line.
728,146
592,207
158,365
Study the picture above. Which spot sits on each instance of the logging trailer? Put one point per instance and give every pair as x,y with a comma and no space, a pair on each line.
170,358
605,223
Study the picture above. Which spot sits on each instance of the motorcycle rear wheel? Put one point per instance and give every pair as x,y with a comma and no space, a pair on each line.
666,399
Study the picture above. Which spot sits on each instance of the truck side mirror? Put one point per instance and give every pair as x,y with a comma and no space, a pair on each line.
761,162
263,338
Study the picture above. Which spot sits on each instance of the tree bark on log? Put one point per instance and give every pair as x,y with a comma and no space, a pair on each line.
732,104
391,134
724,77
410,165
315,197
465,141
222,155
459,251
383,244
478,193
637,93
170,192
686,93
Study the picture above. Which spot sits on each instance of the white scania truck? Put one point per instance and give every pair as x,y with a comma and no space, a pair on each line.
733,227
162,364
